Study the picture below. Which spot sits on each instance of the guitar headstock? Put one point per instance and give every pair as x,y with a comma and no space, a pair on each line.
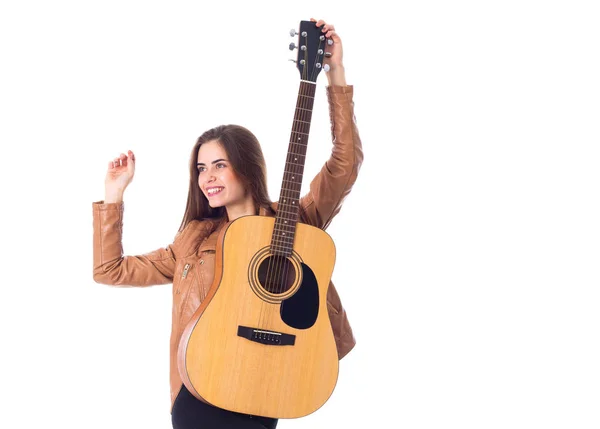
311,50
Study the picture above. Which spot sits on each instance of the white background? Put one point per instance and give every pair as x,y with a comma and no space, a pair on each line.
467,253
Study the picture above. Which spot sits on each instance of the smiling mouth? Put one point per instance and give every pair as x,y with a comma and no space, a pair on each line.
214,191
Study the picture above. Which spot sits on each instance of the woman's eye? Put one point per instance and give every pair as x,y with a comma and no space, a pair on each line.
220,165
201,169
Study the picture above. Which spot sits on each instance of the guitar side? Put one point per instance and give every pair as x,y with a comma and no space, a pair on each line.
237,352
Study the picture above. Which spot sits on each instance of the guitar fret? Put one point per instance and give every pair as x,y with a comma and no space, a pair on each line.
293,177
287,211
281,225
287,205
295,188
282,247
290,229
282,235
292,211
300,147
284,240
285,201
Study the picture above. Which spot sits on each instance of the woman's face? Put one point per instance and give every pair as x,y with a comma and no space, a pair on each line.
219,183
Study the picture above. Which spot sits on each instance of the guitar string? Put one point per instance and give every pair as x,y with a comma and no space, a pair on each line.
281,271
273,265
286,191
304,116
279,276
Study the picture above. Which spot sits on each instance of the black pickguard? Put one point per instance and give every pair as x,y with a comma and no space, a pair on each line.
301,310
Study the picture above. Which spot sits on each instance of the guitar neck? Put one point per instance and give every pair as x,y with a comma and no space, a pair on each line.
287,211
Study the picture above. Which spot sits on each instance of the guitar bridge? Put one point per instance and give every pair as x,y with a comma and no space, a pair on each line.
270,338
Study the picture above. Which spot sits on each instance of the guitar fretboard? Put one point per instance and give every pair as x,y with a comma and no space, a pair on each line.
287,211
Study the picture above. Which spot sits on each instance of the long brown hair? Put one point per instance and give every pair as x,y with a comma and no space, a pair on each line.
246,158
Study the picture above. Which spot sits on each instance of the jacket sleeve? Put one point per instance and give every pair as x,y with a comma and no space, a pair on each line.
112,267
333,183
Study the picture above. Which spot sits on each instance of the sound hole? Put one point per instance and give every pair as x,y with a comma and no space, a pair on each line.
276,274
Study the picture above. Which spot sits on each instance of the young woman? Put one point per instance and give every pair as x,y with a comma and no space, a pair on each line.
227,180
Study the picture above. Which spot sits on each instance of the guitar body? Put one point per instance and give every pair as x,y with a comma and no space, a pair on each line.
262,343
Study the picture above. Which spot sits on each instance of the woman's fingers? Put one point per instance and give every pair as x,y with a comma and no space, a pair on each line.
320,22
333,36
121,160
328,29
130,161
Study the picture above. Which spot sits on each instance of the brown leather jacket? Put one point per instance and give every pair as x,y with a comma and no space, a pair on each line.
188,263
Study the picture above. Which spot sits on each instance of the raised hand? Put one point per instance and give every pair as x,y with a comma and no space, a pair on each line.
336,74
118,176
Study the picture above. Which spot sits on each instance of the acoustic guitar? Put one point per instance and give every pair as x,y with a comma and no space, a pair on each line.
261,342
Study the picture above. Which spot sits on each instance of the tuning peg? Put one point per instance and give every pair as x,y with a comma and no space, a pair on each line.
329,42
328,54
293,33
326,67
293,46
